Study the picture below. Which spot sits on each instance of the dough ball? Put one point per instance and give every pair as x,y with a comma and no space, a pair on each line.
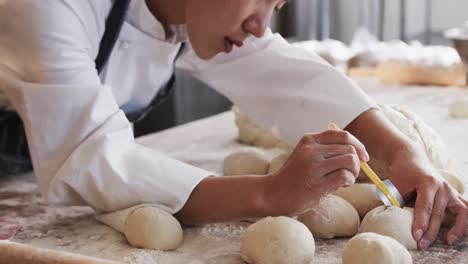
333,217
459,109
393,222
278,162
454,180
278,240
372,248
361,196
153,228
252,134
246,162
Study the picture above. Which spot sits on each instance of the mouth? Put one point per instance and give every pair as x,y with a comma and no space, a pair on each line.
229,43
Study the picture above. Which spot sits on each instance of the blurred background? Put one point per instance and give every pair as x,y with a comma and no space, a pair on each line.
299,20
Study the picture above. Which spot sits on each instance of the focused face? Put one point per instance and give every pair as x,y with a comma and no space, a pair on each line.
216,26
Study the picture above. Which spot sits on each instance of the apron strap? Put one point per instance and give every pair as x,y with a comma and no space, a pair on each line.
161,96
14,152
113,26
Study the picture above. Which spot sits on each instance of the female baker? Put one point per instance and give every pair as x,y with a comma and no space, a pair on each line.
79,71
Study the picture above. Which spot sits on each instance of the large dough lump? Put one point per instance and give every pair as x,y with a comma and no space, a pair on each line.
418,131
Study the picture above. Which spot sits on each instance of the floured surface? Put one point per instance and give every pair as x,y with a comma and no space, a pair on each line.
205,143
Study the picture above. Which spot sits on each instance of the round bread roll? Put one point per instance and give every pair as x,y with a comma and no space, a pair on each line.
393,222
278,240
333,217
372,248
153,228
361,196
246,162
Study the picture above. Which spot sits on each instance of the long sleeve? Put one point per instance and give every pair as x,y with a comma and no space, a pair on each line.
81,143
285,89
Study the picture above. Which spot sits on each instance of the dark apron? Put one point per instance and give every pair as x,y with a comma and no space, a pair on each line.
14,152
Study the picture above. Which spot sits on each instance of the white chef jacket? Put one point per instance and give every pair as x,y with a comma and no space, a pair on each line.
81,143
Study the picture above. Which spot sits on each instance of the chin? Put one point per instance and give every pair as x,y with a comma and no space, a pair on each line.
199,43
204,54
201,46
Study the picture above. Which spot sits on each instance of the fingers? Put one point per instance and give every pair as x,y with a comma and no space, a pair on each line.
460,228
430,207
330,151
437,215
348,162
337,179
344,138
422,210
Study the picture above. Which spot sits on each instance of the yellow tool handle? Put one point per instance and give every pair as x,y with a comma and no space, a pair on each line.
376,180
372,175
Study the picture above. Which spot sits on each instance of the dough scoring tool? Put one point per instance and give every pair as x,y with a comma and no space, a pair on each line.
386,191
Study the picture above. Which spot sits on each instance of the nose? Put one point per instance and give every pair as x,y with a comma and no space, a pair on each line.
257,23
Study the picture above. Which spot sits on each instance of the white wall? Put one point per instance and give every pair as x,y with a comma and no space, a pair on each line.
445,14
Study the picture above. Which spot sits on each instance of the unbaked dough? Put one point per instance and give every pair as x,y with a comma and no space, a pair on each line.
278,240
251,134
361,196
417,130
246,162
393,221
459,109
372,248
277,162
332,217
153,228
453,180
